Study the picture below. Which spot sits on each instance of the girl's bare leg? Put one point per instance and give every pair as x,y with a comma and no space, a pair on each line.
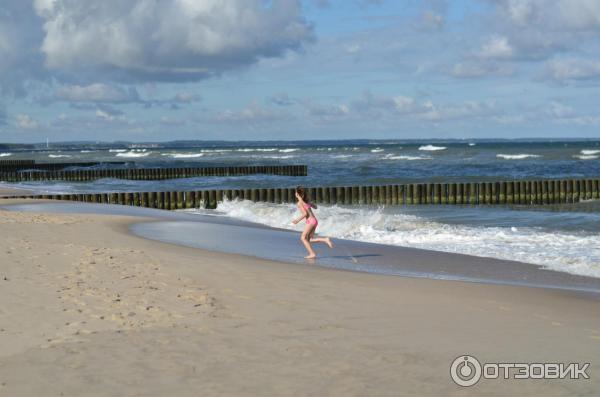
314,239
325,240
305,238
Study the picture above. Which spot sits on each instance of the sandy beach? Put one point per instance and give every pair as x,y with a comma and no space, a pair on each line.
90,310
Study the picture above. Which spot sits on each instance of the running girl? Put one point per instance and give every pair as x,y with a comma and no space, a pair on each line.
308,235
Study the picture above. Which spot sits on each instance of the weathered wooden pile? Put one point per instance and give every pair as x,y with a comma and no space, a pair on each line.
538,192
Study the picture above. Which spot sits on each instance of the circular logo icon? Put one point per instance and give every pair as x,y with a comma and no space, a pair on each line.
465,371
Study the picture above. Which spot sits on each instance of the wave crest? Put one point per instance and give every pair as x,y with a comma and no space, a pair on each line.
432,148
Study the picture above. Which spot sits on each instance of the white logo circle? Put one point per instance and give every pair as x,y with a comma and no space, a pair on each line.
465,371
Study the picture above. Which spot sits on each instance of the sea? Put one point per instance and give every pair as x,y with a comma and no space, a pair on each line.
564,238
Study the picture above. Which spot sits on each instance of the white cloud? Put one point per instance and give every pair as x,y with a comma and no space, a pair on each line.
252,114
573,69
476,68
186,97
460,111
565,114
553,14
560,110
540,28
281,99
352,48
580,14
327,112
101,93
519,11
26,122
497,47
136,40
431,20
375,105
401,107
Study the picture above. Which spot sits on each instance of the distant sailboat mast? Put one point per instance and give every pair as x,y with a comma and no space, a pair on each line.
47,143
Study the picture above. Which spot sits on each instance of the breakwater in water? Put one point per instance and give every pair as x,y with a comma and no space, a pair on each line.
56,173
536,192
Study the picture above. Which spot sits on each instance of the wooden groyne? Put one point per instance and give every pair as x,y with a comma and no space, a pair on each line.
15,165
516,192
152,173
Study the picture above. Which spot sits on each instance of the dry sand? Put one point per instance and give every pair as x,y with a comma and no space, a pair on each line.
89,310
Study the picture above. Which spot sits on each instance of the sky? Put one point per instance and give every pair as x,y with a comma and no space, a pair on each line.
159,70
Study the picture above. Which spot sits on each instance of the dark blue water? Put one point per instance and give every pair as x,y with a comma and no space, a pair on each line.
334,162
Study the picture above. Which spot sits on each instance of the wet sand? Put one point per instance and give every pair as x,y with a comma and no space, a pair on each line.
251,239
88,309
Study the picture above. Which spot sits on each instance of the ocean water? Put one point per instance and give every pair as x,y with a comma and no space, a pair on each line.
562,238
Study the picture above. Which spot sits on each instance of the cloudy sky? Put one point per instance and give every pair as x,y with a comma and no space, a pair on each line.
288,69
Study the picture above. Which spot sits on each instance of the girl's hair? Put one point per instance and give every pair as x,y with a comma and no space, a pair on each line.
302,193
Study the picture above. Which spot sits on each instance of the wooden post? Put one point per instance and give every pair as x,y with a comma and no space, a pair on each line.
444,193
588,189
369,195
452,193
277,195
472,193
428,193
576,191
180,200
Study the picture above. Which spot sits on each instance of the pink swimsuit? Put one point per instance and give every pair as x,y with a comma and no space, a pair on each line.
311,220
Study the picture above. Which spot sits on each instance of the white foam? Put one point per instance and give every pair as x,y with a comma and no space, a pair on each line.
377,150
56,156
567,252
117,150
5,154
183,155
288,150
519,156
216,150
589,151
432,148
277,157
133,154
409,158
341,156
471,144
257,150
585,156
